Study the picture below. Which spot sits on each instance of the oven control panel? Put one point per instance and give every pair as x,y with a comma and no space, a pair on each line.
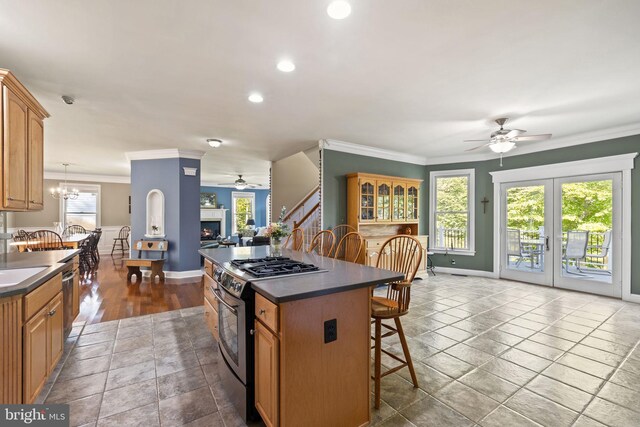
230,283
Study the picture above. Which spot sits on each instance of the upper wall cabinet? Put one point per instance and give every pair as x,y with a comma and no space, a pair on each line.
22,146
383,200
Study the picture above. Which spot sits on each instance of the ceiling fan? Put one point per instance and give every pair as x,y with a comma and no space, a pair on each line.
504,140
240,184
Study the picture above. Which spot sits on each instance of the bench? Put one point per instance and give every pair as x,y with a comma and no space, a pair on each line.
155,264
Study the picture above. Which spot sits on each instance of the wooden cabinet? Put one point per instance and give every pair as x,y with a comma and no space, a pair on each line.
210,301
43,345
375,199
266,374
11,349
302,375
35,162
22,139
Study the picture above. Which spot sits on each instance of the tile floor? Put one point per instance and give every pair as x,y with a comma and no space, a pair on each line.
486,352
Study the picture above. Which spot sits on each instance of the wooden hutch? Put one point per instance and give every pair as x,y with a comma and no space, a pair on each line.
380,206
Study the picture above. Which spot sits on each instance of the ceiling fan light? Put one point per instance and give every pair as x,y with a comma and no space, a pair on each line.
240,185
502,147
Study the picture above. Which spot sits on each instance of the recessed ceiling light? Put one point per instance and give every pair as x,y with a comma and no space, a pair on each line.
256,98
215,143
339,9
286,66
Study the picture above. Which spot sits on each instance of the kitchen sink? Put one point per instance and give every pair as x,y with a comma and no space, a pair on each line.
14,276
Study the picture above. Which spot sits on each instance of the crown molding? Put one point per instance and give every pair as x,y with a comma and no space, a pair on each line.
170,153
88,177
365,150
551,144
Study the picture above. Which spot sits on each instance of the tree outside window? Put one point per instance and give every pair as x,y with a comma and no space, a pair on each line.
451,210
243,209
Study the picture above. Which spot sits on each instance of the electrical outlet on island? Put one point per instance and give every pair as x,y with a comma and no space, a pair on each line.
453,261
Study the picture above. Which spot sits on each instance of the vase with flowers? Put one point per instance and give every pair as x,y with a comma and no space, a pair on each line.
277,230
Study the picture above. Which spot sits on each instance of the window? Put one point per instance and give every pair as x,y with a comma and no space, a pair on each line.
243,207
85,210
451,214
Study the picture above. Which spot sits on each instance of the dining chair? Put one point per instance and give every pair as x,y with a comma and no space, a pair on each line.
86,263
20,236
576,248
95,254
350,247
122,239
401,254
295,240
341,230
322,243
74,229
44,240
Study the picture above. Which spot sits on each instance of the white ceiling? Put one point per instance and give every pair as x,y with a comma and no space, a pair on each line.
413,76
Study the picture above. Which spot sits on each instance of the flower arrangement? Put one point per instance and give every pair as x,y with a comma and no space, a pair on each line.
278,230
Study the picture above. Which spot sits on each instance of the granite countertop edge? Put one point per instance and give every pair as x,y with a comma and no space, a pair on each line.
37,279
341,276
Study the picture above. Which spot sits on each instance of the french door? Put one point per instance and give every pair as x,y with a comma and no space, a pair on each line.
563,232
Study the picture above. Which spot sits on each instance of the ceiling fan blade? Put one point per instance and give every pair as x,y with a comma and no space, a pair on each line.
541,137
471,141
514,132
480,146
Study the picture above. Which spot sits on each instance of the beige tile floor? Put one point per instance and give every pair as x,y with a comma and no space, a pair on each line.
486,352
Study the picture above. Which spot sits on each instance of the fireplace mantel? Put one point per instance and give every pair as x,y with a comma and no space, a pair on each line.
215,215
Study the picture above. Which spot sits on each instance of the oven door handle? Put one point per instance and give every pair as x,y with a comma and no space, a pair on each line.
216,294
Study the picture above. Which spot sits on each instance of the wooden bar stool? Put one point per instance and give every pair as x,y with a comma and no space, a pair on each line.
295,240
322,243
401,254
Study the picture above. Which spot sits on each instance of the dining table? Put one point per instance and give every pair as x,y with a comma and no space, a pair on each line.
68,242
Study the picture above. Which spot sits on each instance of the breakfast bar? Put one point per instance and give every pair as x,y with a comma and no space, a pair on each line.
302,344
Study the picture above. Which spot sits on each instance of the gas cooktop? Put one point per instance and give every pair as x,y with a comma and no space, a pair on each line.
273,266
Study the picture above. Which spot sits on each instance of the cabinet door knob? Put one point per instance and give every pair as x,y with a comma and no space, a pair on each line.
32,201
262,311
10,198
52,312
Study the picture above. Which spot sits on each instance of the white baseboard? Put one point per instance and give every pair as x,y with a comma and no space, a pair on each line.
631,298
477,273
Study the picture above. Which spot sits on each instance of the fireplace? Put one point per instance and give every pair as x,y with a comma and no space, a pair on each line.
209,230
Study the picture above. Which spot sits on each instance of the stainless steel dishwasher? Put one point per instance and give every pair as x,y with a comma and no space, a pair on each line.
67,298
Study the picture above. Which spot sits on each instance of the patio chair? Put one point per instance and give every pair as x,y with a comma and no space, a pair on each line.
604,249
576,248
515,247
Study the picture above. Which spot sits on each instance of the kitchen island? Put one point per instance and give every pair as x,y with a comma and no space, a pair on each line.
307,335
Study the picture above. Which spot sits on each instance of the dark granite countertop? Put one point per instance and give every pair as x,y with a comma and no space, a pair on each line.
53,260
340,276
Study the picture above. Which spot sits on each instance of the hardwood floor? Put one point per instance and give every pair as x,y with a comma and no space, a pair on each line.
106,295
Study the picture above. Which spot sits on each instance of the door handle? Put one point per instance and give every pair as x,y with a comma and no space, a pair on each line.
216,294
52,312
546,242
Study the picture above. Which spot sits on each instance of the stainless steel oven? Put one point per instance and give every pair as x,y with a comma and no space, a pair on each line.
231,327
235,364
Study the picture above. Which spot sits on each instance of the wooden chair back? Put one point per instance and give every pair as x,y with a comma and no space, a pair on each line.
323,243
124,232
74,229
20,236
350,247
401,254
161,246
44,240
295,240
341,230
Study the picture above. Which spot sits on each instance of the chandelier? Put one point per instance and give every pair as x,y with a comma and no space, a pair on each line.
64,192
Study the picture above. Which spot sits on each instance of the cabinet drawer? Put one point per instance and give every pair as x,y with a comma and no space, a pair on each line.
38,298
267,312
211,318
208,267
208,294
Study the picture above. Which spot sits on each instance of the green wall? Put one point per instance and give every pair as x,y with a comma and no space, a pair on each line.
337,165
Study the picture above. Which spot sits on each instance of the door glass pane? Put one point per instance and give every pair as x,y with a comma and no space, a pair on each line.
587,221
525,234
398,202
228,329
366,202
384,202
412,203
